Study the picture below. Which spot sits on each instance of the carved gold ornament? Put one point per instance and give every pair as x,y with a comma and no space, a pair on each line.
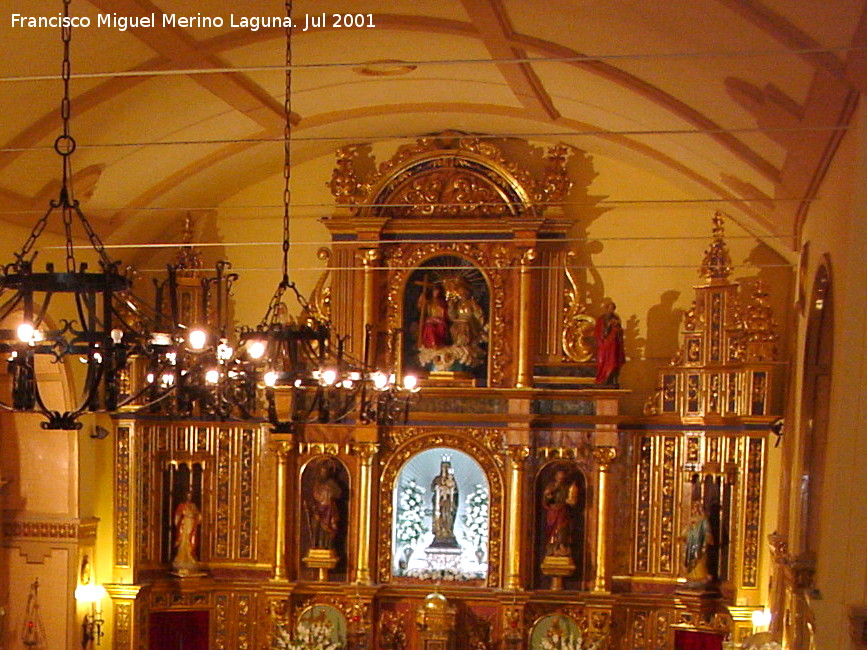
449,175
578,326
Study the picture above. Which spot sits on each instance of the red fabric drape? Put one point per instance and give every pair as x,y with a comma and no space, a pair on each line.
179,630
689,640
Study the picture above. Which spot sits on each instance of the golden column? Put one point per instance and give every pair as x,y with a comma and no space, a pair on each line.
369,259
517,455
525,366
604,457
366,452
281,450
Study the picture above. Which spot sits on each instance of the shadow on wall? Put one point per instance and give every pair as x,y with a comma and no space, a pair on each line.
646,355
777,276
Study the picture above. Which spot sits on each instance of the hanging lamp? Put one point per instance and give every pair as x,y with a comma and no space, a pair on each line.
302,363
96,323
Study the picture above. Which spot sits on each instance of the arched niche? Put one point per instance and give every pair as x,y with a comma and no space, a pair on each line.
815,403
445,317
441,501
558,503
323,513
471,555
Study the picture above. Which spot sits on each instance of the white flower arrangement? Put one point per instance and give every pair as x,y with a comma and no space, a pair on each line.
444,575
308,636
410,514
476,516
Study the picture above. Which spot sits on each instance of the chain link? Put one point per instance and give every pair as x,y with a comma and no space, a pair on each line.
65,145
277,298
287,139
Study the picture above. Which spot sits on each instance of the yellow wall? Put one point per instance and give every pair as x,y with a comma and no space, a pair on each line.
837,226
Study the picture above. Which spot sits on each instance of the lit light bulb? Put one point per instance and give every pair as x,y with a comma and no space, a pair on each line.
346,383
224,351
168,379
172,357
197,339
97,356
150,377
380,380
25,332
410,382
212,376
116,336
256,349
328,377
270,378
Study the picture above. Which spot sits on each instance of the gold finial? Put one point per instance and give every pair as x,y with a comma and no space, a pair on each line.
187,257
717,263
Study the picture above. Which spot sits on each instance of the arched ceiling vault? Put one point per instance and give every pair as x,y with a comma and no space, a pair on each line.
738,102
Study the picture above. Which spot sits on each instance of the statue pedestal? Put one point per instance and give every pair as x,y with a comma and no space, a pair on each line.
444,558
324,559
450,378
558,567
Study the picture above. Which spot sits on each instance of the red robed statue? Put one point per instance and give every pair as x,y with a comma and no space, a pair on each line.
609,346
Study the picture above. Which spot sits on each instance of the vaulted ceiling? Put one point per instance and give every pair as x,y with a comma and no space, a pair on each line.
738,103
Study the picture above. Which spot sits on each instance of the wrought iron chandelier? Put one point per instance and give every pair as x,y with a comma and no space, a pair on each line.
156,360
302,363
103,329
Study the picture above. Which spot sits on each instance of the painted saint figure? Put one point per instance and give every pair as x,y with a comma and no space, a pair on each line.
445,506
610,355
697,538
466,315
433,318
558,499
324,508
186,520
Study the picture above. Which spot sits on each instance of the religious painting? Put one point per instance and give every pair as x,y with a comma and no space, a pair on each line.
182,516
324,517
445,321
441,505
561,496
318,626
557,632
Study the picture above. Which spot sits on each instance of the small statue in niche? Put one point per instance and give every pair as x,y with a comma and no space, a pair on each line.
433,316
559,499
610,355
466,315
323,508
449,324
697,538
186,521
445,506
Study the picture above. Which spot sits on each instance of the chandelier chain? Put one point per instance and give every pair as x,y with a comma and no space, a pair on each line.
273,310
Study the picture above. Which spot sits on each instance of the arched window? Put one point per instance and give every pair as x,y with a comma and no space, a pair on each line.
815,400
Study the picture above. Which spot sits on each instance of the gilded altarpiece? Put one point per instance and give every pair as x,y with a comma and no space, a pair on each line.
535,505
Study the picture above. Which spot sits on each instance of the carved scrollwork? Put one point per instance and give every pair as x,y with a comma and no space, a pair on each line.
451,175
319,304
578,326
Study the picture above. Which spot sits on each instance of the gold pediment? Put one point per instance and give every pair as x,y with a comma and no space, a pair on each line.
447,176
